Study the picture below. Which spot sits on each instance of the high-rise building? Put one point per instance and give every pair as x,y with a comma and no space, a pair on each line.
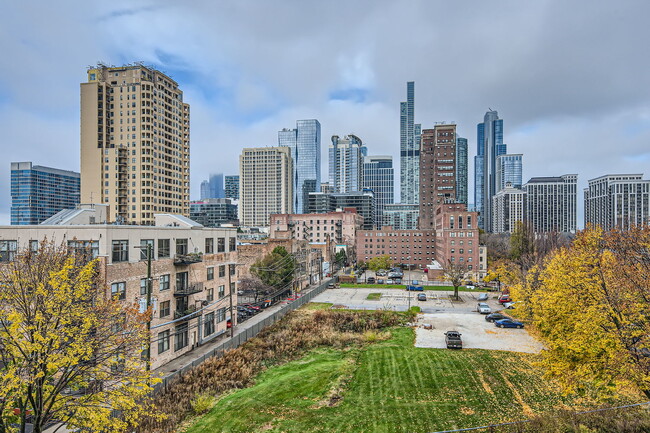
232,187
409,149
551,203
437,172
266,185
401,216
346,164
461,170
492,137
479,179
39,192
212,188
509,171
135,143
617,201
362,201
304,142
379,178
508,207
326,188
213,212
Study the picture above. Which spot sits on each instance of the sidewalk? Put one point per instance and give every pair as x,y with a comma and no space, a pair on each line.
198,352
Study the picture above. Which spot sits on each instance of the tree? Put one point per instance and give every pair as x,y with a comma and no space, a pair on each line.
380,262
256,286
455,274
68,353
593,313
275,269
341,258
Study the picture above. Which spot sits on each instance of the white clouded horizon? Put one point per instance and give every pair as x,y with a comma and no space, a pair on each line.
569,79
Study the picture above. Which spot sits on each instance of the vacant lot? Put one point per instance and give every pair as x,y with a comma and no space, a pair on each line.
388,386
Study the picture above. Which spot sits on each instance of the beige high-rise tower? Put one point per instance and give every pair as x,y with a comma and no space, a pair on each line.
135,143
265,184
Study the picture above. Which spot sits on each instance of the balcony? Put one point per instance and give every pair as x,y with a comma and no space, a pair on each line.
188,289
187,259
188,314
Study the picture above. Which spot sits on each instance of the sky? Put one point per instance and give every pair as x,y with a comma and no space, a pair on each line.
569,78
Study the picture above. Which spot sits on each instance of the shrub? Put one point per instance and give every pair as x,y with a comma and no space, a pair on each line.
202,403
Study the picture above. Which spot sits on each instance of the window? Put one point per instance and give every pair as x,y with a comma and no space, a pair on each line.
221,245
181,281
209,245
8,250
222,270
208,324
210,296
164,282
221,315
180,337
181,247
232,269
233,244
222,291
120,251
118,290
81,247
165,309
144,244
33,246
143,286
163,341
163,248
210,275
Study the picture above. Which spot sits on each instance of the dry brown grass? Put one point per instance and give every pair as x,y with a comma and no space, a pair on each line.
286,340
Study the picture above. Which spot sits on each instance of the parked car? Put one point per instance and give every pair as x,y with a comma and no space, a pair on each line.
380,281
380,273
509,305
414,288
504,298
252,307
483,297
483,308
395,281
495,316
422,297
453,340
371,280
330,286
470,286
508,323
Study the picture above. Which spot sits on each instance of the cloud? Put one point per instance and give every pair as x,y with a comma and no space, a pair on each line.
567,78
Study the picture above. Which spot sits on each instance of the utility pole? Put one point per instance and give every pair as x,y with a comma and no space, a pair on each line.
232,313
149,253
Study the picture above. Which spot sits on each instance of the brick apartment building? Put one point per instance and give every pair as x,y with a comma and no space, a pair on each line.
409,247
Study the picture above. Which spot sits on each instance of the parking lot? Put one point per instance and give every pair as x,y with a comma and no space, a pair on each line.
443,315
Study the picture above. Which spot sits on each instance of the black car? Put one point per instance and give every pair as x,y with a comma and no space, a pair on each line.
495,316
371,280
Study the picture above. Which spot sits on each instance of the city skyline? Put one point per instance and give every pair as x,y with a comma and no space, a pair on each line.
558,112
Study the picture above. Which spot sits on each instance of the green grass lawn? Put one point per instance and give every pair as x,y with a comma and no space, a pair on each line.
389,386
374,296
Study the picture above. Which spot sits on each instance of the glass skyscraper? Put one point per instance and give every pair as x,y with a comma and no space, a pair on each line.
212,188
509,170
378,176
304,142
478,172
490,145
410,135
232,187
461,170
39,192
346,164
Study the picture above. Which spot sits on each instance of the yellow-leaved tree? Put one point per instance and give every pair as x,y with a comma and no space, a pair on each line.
592,309
69,355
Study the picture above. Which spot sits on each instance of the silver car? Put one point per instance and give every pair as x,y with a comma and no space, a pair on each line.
483,308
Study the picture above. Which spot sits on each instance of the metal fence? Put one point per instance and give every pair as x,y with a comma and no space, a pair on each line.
243,335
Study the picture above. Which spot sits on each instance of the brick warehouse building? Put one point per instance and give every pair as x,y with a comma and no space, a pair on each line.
193,270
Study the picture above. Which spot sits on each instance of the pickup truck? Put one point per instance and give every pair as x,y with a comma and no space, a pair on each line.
452,338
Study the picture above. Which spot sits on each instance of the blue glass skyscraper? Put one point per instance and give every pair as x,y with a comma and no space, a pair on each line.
378,176
39,192
212,188
478,172
304,142
346,164
410,135
492,143
509,169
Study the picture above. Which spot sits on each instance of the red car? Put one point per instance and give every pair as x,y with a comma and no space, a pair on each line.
504,298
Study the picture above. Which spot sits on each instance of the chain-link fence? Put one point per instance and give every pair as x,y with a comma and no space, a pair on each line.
244,334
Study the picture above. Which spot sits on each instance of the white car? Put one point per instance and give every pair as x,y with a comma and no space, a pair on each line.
483,308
